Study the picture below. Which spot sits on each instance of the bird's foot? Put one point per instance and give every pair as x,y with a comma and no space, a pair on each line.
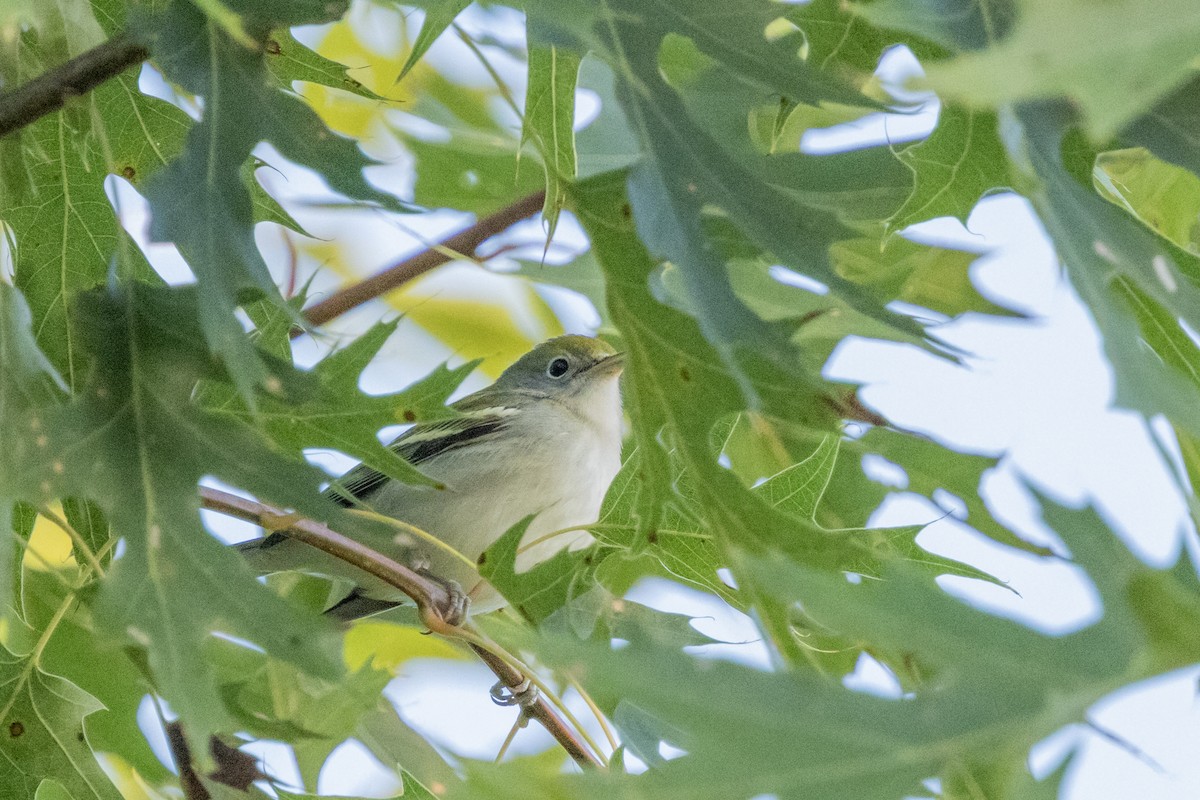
454,608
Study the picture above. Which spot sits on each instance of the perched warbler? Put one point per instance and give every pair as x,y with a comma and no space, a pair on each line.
544,439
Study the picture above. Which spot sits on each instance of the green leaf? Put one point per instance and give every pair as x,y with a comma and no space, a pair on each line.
954,24
148,447
1169,128
798,488
1163,196
961,161
838,39
678,545
936,278
90,523
929,466
200,201
63,230
549,120
1102,248
289,60
439,16
340,416
41,720
473,171
272,13
275,700
1161,331
1051,52
542,590
30,386
396,744
50,789
114,676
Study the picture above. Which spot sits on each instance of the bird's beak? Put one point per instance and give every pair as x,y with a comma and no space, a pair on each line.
610,365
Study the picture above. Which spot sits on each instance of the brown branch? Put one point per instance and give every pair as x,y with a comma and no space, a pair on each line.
464,244
181,754
234,768
539,710
431,597
51,90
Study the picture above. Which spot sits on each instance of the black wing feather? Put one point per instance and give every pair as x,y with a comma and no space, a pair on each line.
415,445
359,483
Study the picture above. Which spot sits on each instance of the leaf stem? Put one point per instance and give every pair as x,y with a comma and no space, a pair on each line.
596,712
414,531
35,655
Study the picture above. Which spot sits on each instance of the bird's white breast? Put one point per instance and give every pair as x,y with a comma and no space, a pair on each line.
561,471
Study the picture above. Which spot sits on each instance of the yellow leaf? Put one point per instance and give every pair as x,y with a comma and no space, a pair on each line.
386,646
49,546
479,314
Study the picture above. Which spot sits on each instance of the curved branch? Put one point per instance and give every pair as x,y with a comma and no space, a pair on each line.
430,596
464,244
50,91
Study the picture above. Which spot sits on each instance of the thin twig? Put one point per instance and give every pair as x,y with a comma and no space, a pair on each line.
430,596
50,91
508,740
464,244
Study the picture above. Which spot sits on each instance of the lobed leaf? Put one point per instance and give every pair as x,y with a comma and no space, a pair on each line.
41,719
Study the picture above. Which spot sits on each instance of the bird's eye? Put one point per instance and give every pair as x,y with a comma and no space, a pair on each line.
558,367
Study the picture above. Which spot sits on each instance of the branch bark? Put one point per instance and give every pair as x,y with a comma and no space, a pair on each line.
464,244
181,754
430,596
234,768
50,91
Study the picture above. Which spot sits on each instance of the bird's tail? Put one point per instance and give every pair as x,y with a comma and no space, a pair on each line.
273,553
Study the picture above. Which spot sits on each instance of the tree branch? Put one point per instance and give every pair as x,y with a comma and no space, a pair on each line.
539,710
181,754
431,597
464,243
234,768
50,91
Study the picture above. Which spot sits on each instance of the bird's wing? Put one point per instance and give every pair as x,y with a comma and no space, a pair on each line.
479,418
419,444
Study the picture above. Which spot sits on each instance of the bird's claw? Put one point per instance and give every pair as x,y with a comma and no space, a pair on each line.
452,612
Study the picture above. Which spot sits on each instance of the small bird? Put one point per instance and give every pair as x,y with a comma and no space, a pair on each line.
544,440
